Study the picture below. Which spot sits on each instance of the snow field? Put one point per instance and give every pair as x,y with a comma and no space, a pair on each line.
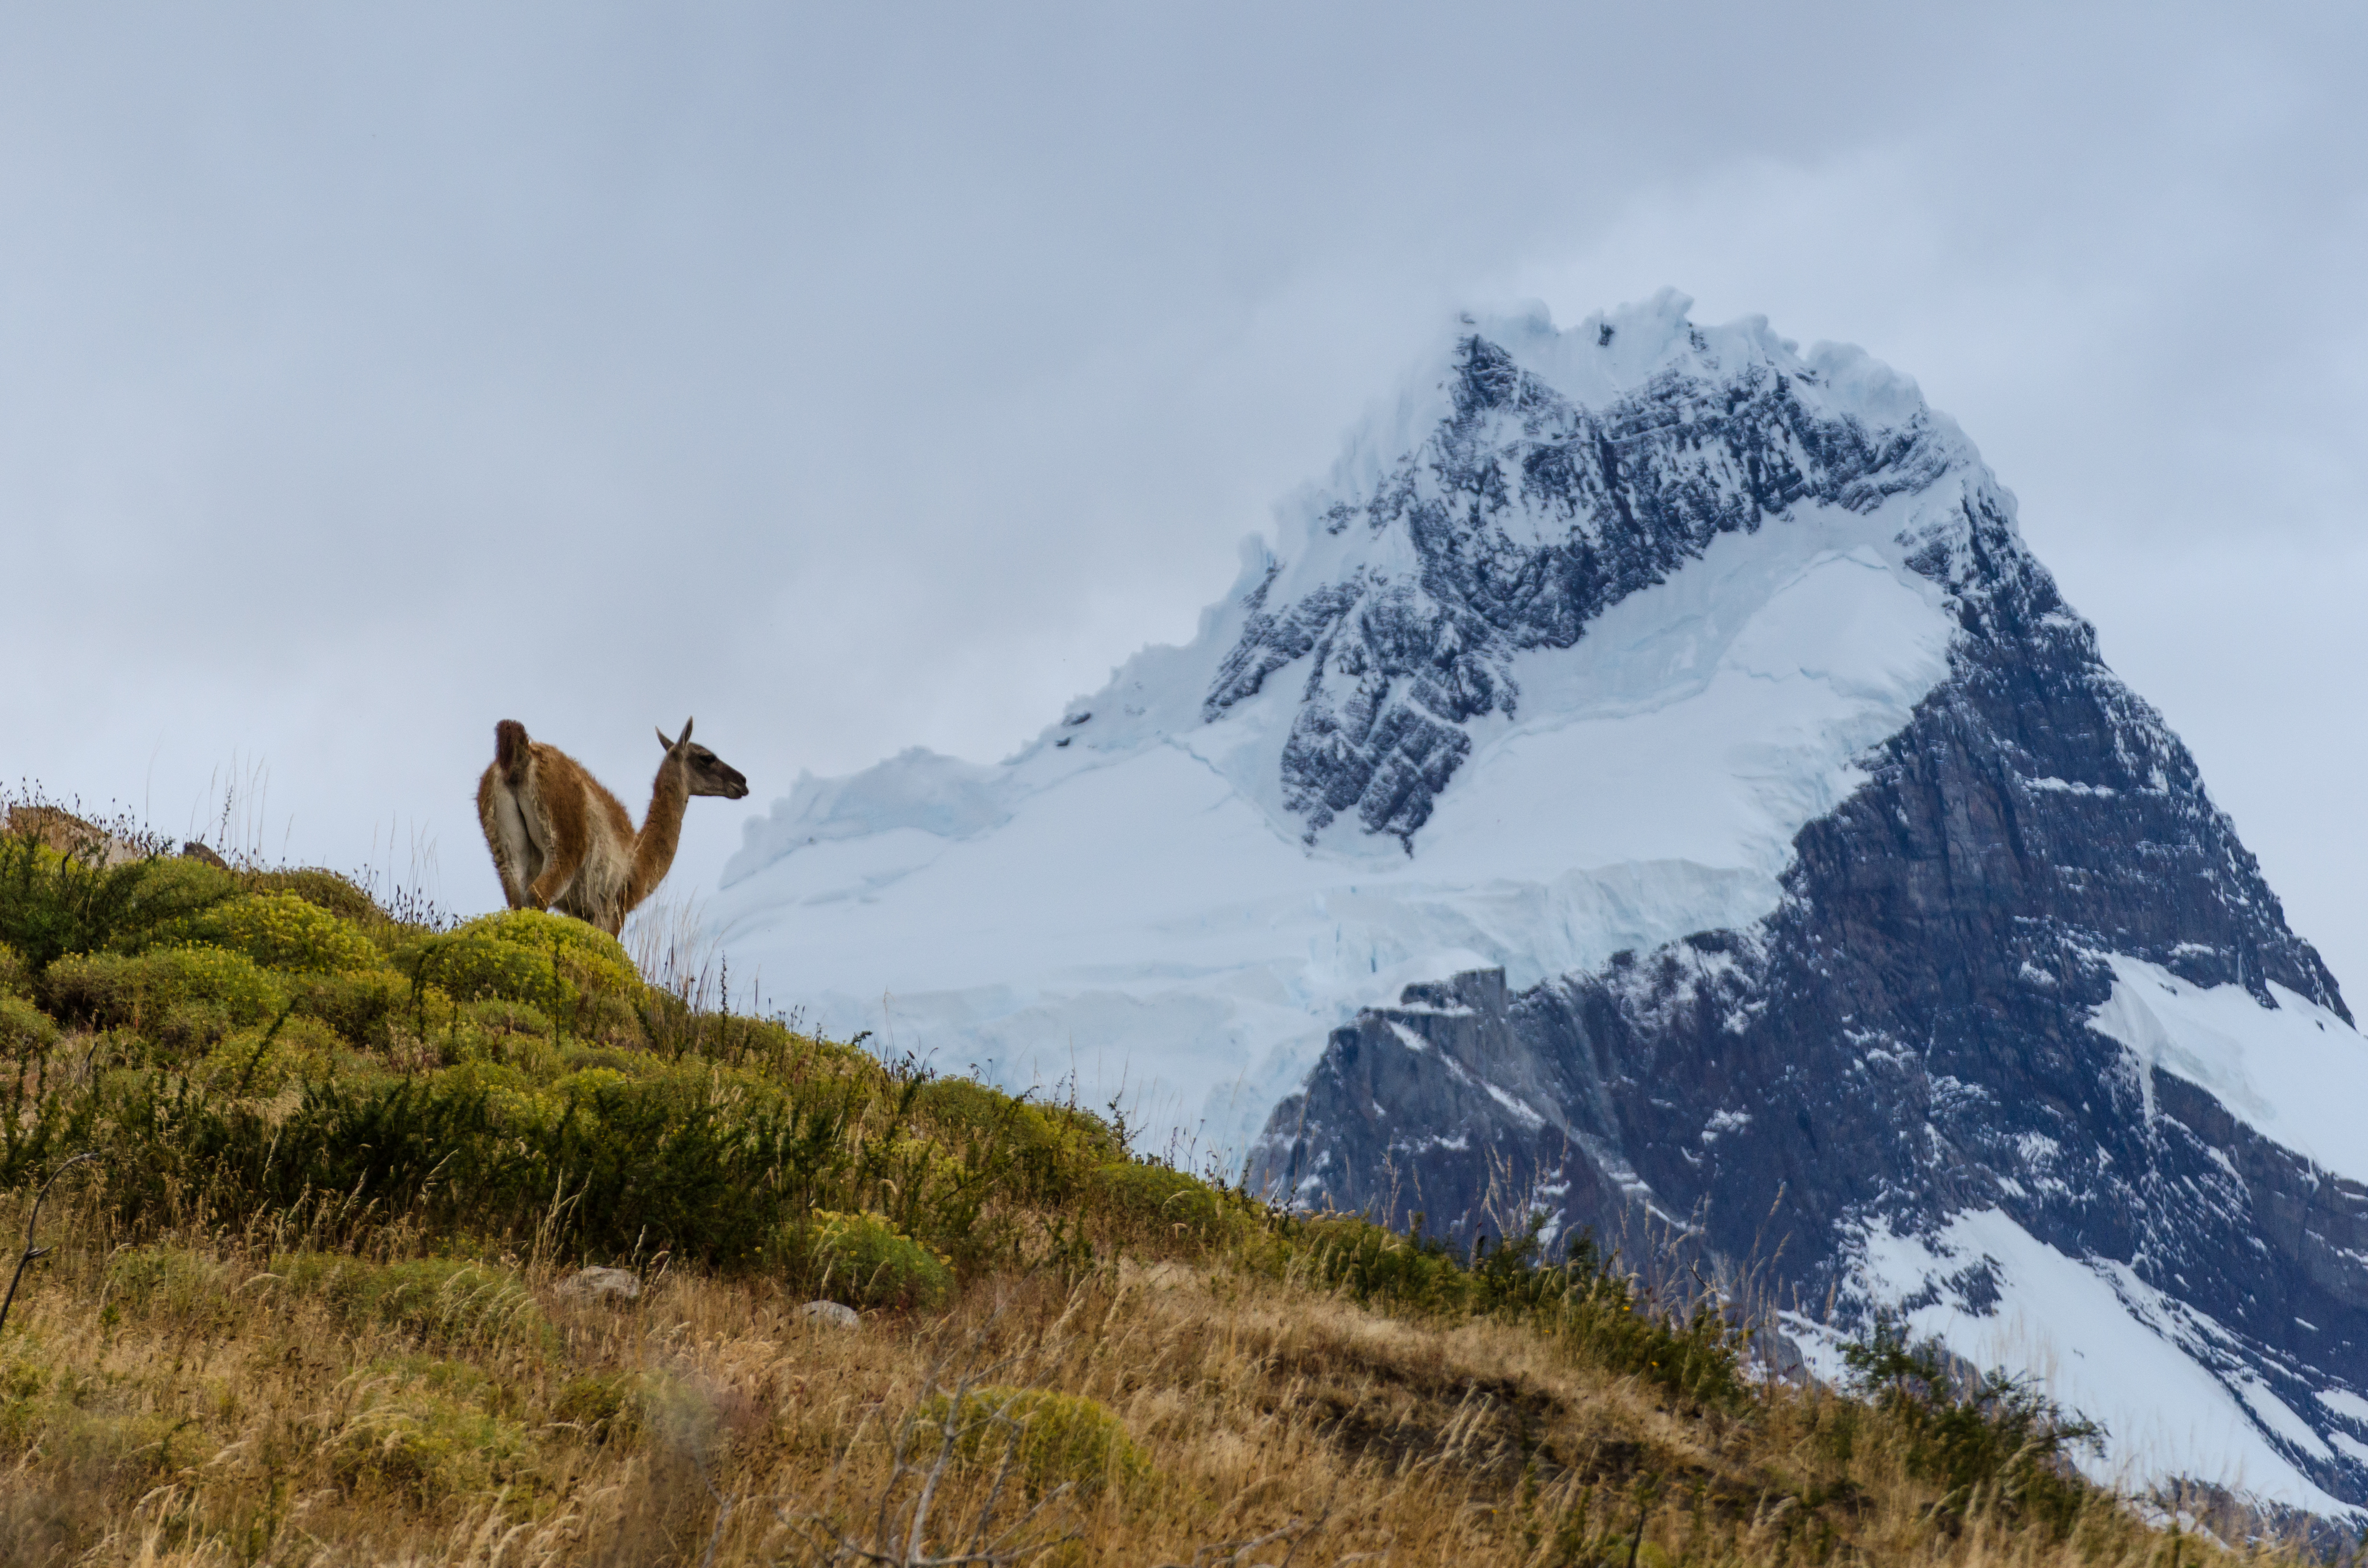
2102,1342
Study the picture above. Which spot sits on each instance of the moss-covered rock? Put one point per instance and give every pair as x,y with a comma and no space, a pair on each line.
863,1260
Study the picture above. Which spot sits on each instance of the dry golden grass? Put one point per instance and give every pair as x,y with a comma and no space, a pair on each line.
193,1404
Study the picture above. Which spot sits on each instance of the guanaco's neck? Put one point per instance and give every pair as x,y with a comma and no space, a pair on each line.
661,832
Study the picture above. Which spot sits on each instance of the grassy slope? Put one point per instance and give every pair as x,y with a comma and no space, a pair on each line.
314,1304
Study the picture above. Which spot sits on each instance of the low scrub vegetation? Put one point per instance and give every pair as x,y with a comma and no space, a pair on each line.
317,1299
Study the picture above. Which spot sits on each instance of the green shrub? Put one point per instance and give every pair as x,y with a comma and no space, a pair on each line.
321,889
1969,1433
356,1006
279,931
16,976
693,1164
259,1064
447,1298
1155,1203
24,1029
112,991
1047,1154
864,1261
1048,1439
500,1015
1377,1266
53,905
427,1447
596,962
186,1288
549,961
600,1405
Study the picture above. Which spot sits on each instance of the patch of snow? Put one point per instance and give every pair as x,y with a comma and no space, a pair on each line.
1724,1122
2278,1418
2346,1404
2293,1072
2100,1341
2353,1448
1522,1111
1409,1039
2063,787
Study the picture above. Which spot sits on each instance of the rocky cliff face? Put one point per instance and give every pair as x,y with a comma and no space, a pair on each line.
1904,1062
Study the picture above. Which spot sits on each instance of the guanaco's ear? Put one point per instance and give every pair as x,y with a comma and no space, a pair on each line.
664,744
686,733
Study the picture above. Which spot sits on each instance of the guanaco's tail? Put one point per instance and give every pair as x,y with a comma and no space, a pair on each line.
509,751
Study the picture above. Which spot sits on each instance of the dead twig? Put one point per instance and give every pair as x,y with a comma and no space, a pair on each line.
32,1252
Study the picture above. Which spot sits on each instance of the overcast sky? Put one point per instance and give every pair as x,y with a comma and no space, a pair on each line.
866,376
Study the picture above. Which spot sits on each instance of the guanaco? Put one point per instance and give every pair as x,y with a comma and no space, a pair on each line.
561,841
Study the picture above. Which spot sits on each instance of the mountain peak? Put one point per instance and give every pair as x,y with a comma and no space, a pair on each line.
1549,475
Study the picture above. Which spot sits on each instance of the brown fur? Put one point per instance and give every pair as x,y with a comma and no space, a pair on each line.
560,841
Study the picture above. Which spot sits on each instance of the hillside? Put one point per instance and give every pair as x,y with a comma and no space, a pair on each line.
332,1292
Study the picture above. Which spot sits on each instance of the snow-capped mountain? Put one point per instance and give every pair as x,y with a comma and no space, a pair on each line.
1651,783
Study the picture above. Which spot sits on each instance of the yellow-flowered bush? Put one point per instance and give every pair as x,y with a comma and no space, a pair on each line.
282,931
865,1261
356,1005
551,962
425,1447
114,992
331,892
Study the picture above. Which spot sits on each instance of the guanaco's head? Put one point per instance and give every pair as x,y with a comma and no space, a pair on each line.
709,774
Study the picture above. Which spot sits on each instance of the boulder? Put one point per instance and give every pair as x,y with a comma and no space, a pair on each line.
830,1314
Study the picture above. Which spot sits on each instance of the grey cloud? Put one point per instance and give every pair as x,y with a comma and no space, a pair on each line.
857,377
